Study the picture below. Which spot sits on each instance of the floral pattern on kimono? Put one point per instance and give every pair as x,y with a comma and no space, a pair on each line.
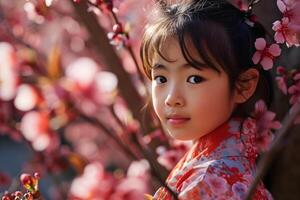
219,166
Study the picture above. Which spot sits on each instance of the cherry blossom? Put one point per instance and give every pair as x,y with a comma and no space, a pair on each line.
169,157
94,183
48,2
265,122
284,32
288,28
105,87
35,128
26,98
82,72
265,54
8,72
135,185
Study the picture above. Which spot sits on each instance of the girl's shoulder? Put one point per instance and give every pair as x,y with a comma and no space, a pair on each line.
228,178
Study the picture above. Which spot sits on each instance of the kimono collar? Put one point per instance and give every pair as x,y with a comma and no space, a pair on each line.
226,138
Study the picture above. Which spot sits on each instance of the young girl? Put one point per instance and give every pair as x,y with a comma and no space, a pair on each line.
198,56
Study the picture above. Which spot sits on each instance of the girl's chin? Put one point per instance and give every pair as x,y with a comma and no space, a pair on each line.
182,136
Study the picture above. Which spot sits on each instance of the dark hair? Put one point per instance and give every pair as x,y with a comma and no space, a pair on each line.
219,34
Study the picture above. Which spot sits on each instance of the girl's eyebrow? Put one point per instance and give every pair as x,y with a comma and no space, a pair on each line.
158,66
184,66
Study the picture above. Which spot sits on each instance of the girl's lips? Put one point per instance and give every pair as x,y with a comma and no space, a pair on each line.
177,121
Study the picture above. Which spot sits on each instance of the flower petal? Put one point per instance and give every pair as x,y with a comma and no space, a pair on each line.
260,106
281,84
276,125
256,57
260,43
281,6
275,50
279,37
267,63
276,25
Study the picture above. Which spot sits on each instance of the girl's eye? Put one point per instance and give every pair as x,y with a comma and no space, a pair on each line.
160,79
194,79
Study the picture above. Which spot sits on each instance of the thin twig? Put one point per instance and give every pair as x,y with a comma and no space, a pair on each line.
129,48
270,155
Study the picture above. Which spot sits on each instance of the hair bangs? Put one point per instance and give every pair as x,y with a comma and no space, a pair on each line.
153,39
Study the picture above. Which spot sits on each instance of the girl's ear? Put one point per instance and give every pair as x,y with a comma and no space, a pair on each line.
246,85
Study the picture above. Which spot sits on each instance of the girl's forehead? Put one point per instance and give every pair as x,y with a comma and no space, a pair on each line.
170,49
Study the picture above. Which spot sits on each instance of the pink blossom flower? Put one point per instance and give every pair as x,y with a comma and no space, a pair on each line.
290,9
82,72
265,54
8,72
105,88
285,33
282,79
265,122
290,26
26,98
94,183
139,169
169,157
135,185
118,39
132,188
35,128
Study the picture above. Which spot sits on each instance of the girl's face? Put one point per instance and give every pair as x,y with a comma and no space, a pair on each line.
189,102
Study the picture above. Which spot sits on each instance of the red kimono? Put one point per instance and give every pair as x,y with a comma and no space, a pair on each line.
220,165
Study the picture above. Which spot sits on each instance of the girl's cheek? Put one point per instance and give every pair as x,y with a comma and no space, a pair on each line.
157,100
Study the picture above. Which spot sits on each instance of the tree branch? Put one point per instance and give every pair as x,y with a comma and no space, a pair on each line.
270,155
108,55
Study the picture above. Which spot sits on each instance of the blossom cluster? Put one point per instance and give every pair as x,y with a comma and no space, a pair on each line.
30,183
287,30
96,183
63,103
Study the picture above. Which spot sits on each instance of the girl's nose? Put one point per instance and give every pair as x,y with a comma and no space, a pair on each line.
174,100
